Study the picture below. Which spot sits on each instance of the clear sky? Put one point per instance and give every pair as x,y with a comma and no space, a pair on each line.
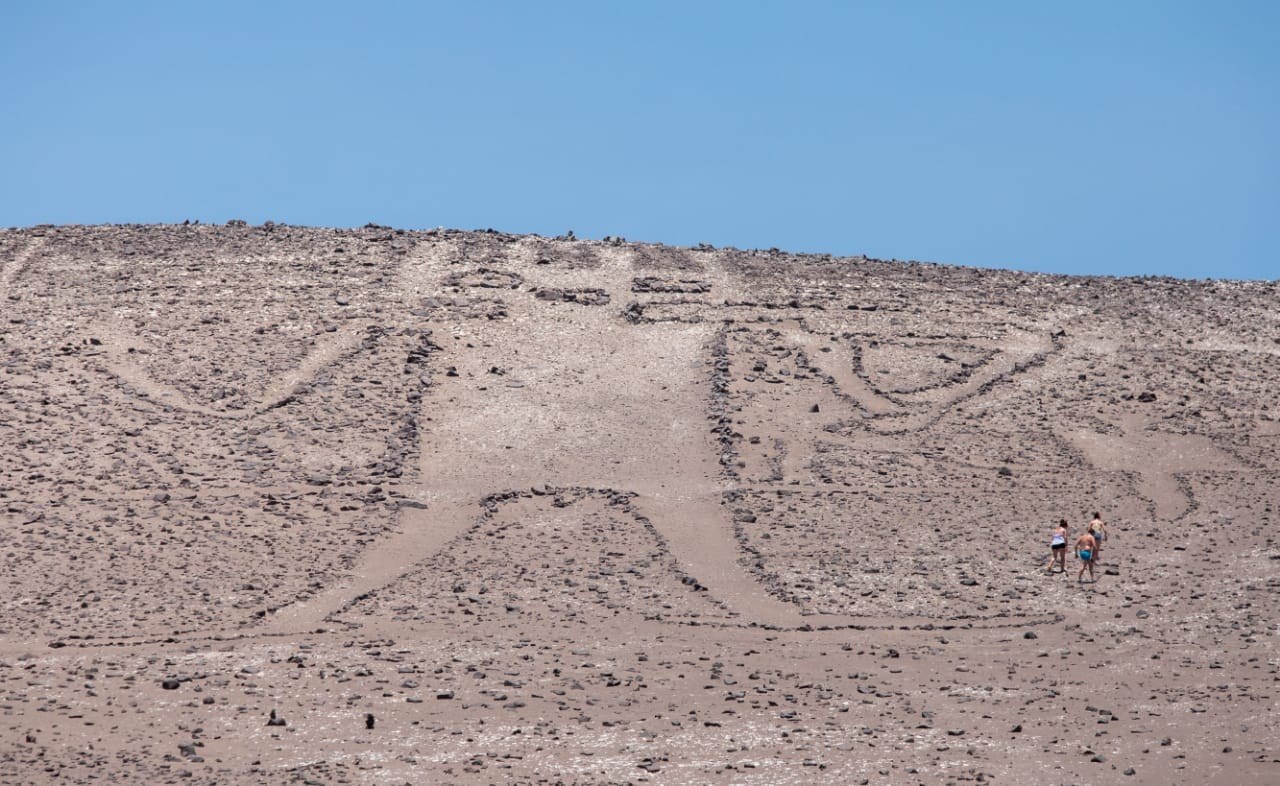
1116,137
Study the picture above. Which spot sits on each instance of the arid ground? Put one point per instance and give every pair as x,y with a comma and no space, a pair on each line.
468,507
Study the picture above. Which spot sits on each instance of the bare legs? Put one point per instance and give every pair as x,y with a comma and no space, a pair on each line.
1087,564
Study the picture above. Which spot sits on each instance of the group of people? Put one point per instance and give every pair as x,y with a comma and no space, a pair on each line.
1088,546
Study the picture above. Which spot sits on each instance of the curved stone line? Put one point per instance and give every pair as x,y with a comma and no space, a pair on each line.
881,407
845,383
331,348
902,397
1156,478
328,349
942,409
339,345
116,361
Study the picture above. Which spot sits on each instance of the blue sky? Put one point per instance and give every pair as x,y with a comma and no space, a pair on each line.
1081,137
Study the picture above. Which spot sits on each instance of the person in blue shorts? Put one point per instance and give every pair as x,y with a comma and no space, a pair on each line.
1087,551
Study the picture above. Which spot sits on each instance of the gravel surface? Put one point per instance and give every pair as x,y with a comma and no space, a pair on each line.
294,505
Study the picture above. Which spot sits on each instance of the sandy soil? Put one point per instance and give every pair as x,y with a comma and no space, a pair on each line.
466,507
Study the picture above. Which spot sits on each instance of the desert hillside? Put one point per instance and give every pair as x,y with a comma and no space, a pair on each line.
562,511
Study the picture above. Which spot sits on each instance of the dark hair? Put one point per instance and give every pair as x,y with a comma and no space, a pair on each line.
1062,522
1097,515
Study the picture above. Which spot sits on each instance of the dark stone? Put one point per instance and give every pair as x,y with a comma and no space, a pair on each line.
650,284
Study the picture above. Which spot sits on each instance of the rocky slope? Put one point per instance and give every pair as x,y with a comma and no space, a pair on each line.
473,507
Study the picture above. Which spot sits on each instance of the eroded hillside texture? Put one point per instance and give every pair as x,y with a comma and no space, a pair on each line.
468,507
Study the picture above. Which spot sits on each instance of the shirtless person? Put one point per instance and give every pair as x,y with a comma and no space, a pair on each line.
1058,547
1099,532
1087,551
